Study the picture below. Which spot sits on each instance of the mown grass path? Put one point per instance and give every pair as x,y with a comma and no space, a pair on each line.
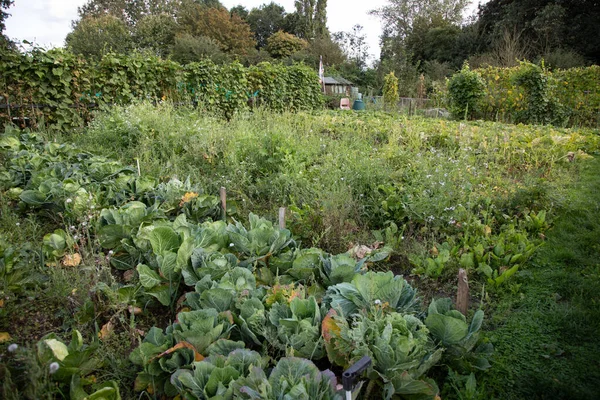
547,334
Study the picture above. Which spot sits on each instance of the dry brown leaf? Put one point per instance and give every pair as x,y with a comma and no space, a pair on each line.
71,260
106,330
1,303
128,275
181,345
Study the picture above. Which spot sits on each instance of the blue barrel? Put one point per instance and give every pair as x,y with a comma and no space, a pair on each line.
358,105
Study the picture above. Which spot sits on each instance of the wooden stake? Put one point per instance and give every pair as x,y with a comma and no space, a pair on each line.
137,160
462,295
281,217
223,194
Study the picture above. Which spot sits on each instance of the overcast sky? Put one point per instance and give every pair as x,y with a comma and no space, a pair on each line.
47,22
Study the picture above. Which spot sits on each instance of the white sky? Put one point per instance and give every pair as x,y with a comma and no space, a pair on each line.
47,22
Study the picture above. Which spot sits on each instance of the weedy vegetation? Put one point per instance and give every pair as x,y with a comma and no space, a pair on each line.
123,277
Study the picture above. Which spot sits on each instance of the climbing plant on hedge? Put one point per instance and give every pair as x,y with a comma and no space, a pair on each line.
59,88
575,93
466,89
541,107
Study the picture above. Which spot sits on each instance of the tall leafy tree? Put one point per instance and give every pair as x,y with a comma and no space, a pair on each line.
399,16
545,25
265,21
240,11
130,11
282,44
312,19
231,33
4,5
156,32
354,44
92,37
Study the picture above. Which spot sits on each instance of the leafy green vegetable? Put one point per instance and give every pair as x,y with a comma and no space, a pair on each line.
464,350
399,346
365,291
292,378
296,325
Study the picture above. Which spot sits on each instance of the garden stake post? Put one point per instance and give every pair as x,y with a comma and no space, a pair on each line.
223,195
462,295
350,375
281,217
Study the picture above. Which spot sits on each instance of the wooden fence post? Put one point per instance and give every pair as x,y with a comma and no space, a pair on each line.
462,295
281,217
223,195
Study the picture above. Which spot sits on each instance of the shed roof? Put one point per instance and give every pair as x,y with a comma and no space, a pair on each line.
343,81
330,81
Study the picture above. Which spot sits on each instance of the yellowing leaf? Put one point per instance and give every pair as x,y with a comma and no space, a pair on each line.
329,328
4,337
71,260
189,196
1,303
59,349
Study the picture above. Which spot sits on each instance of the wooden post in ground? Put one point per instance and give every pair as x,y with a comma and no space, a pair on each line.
223,195
462,295
281,217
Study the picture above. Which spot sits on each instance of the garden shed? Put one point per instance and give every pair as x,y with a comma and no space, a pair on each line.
337,85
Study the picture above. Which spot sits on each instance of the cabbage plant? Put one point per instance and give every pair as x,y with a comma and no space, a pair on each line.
465,352
399,346
366,291
292,378
296,325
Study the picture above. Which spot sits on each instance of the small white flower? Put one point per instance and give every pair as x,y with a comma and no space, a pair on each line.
13,347
18,224
75,237
110,253
377,302
231,244
92,207
69,201
84,223
54,367
72,227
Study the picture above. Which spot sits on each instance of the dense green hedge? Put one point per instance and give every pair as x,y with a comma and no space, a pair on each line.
570,97
59,88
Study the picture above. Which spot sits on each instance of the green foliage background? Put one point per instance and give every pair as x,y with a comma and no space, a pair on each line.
58,89
576,90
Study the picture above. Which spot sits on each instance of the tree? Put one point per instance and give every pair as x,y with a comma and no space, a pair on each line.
128,11
354,44
4,5
265,21
281,44
544,25
240,11
399,16
94,37
231,33
312,19
156,32
188,48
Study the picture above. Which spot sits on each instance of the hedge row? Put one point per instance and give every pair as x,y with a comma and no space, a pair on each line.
576,91
60,89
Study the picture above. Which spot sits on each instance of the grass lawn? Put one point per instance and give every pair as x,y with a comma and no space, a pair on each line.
546,334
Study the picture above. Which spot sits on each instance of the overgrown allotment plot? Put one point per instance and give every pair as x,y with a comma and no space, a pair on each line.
113,241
